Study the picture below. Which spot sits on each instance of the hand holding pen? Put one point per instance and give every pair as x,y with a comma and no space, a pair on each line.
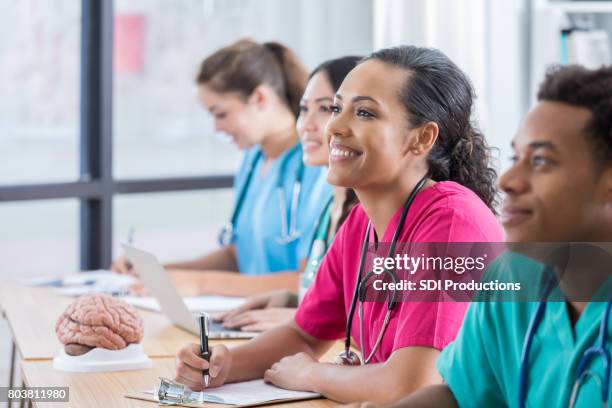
204,350
122,265
191,366
198,367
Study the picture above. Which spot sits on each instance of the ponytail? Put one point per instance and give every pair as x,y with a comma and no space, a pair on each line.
294,74
246,64
436,90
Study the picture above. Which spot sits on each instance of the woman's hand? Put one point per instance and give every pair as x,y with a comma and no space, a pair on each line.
138,289
122,266
293,372
261,312
279,298
189,370
257,314
260,320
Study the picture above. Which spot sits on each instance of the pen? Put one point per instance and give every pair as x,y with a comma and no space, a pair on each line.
204,352
130,242
130,237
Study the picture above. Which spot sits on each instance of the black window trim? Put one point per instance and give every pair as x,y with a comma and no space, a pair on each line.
96,186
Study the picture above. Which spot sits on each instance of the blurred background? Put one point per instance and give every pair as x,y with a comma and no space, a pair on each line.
101,132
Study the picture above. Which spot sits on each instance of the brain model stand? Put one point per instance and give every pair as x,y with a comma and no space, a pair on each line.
100,333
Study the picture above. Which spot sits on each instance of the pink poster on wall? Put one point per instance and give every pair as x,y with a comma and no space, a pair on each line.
128,44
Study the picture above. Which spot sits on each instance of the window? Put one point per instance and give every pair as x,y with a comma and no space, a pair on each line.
160,129
99,110
39,238
61,136
39,109
173,226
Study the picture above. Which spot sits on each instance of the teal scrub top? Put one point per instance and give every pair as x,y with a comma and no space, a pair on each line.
318,249
258,225
482,365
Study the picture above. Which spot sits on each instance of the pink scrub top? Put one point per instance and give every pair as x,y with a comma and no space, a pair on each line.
444,212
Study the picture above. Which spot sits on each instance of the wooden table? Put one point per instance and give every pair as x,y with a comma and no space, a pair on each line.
109,389
31,313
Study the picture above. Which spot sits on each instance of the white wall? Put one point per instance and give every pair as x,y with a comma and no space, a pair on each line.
486,38
507,84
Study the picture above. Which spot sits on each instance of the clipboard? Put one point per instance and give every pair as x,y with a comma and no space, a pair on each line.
253,393
148,397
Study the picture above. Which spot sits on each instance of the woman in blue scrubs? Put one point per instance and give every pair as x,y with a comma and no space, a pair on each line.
253,91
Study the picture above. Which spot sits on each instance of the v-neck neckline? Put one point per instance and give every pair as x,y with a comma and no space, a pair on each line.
394,221
389,230
563,323
282,158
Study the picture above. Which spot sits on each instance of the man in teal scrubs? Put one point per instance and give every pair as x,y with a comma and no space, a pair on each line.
559,189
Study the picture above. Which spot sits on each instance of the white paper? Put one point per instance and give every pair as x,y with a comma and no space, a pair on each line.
99,277
208,303
42,281
85,282
246,393
253,392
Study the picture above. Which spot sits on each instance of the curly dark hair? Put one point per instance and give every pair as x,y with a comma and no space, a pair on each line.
436,90
587,88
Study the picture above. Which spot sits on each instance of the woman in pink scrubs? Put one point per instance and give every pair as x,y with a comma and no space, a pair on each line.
401,116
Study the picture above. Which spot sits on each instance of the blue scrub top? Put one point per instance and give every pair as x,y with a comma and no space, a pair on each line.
259,221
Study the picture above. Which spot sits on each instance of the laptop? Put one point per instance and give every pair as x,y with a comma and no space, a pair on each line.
155,278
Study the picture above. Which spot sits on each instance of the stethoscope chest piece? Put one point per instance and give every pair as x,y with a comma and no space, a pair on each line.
226,235
348,358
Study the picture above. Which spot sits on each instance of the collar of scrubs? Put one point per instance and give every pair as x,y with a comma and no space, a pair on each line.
319,245
556,330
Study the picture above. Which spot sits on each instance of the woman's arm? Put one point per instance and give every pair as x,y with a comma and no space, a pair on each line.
249,360
253,358
436,396
407,370
220,282
222,259
194,282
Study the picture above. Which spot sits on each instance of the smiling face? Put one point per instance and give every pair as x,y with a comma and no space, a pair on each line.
369,133
232,116
555,191
314,115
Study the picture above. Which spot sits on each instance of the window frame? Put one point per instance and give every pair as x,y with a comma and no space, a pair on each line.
96,186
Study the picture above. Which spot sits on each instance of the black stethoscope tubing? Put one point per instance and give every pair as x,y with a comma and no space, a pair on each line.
361,285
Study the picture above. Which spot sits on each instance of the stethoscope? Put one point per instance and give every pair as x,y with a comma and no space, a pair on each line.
598,349
348,357
318,225
289,230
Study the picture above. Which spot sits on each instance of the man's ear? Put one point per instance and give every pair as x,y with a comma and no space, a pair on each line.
421,140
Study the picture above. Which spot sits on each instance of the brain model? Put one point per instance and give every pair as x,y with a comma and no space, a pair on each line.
98,321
